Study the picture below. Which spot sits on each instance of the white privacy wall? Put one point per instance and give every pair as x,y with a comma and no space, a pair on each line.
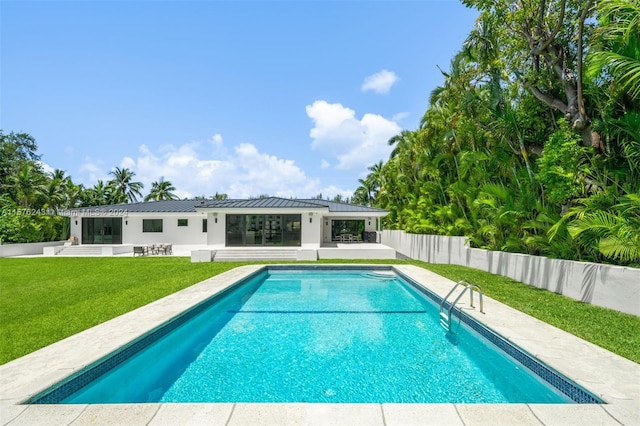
25,249
614,287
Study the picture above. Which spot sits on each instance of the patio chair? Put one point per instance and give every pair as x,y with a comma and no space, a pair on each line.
139,250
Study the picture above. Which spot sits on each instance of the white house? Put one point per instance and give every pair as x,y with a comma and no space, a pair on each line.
261,222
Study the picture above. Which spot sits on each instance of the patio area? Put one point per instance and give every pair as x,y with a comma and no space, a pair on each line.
332,250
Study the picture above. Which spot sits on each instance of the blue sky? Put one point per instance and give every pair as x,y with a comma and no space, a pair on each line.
285,98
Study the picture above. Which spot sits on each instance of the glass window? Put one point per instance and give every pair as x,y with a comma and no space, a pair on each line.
151,225
291,230
183,222
248,230
204,225
235,226
340,228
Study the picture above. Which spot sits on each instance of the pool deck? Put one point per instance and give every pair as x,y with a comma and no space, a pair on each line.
614,379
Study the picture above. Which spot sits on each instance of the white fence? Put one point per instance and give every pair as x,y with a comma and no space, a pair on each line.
25,249
614,287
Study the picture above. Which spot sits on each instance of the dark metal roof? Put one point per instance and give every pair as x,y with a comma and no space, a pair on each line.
165,206
269,202
345,207
189,206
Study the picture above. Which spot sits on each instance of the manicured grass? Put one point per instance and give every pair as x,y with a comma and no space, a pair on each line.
43,300
612,330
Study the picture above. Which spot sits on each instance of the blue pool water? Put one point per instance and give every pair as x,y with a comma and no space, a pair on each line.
310,336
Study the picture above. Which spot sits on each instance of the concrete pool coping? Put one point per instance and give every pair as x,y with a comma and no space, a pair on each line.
614,379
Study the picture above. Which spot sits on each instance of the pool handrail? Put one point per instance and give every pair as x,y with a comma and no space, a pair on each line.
445,318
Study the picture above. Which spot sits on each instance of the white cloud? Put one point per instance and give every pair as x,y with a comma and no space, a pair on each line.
380,82
46,168
194,171
91,171
356,143
216,139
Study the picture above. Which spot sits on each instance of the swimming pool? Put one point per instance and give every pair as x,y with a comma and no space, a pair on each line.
289,336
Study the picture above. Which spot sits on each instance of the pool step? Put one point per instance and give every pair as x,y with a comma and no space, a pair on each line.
444,320
83,250
241,255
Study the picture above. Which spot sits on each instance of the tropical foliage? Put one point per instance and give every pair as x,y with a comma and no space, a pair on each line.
161,190
532,142
32,200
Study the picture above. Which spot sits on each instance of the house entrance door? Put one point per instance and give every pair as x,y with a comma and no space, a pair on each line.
101,230
263,230
254,228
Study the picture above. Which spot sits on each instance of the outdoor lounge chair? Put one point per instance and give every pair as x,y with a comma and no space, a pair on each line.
139,250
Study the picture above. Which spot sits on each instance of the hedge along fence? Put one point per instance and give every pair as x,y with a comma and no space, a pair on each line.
609,286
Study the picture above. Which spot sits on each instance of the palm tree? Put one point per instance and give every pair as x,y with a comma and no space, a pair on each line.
98,195
614,232
363,194
54,194
619,53
28,185
73,194
161,190
219,196
125,189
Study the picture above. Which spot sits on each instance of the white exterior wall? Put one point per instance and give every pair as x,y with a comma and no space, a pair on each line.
75,229
315,226
216,225
171,232
311,231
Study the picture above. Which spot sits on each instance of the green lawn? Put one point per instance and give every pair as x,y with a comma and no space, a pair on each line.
43,300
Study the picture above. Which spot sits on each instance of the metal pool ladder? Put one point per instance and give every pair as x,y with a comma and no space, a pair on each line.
445,317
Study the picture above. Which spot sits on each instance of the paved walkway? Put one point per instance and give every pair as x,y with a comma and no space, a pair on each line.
614,379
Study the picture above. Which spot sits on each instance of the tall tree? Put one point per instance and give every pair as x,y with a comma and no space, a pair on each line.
125,188
617,45
28,185
219,196
16,150
98,195
55,190
161,190
543,44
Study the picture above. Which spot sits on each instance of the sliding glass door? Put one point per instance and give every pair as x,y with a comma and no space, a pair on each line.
253,230
101,230
263,230
273,230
